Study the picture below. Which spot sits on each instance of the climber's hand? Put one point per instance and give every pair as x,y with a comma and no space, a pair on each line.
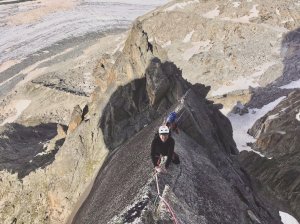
158,169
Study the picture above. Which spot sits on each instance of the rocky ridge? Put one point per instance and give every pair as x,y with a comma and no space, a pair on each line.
126,178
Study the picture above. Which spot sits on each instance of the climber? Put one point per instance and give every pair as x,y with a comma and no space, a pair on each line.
163,145
171,122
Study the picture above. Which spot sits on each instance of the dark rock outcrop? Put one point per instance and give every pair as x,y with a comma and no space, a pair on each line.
138,103
278,137
291,52
208,186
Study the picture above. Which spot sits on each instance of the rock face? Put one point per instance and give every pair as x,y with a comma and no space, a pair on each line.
138,103
207,187
278,137
131,64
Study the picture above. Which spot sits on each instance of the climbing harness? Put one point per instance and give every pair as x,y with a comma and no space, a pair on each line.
165,202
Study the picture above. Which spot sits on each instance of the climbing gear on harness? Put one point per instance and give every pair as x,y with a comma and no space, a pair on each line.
163,130
157,169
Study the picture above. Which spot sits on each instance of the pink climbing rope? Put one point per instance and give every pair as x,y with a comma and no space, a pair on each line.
156,179
166,203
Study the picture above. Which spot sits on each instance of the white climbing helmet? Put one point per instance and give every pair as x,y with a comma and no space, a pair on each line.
163,130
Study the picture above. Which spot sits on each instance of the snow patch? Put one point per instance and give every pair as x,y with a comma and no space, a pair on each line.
291,85
20,106
168,43
45,146
278,29
121,44
244,19
298,116
198,47
284,109
278,12
212,14
236,4
281,132
238,84
244,82
181,5
272,117
7,64
188,37
287,218
261,69
241,124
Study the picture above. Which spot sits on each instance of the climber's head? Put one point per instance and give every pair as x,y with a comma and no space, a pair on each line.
163,133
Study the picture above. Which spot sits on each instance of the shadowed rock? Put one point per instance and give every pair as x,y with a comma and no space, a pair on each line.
290,51
138,103
21,148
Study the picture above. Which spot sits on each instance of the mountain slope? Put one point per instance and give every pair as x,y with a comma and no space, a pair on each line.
207,187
